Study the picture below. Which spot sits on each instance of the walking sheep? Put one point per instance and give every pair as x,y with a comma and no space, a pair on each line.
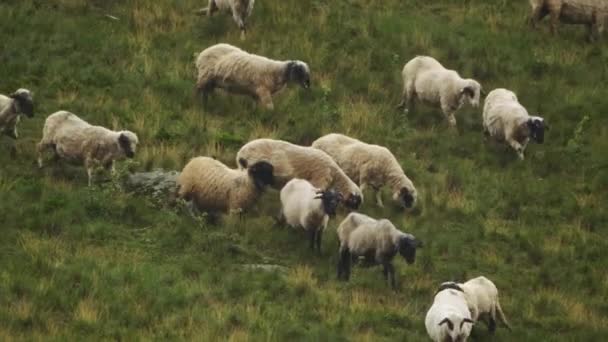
376,240
303,205
369,166
449,319
214,187
240,9
592,13
294,161
482,299
74,139
11,108
425,79
505,119
238,72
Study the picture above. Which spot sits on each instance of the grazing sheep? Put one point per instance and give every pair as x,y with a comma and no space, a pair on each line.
214,187
240,9
11,108
592,13
74,139
236,71
449,319
378,241
303,205
482,298
505,119
369,166
294,161
425,79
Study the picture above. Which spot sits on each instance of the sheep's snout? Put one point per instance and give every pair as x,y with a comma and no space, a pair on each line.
353,201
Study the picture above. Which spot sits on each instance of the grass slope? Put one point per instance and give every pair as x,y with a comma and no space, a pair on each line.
79,263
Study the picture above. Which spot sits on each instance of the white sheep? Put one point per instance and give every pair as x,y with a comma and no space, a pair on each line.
74,139
307,207
425,79
294,161
449,319
482,299
378,241
11,108
240,9
214,187
236,71
369,166
505,119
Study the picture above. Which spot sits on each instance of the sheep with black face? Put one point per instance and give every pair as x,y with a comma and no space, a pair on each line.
449,319
505,119
378,241
307,207
240,10
12,107
227,67
73,139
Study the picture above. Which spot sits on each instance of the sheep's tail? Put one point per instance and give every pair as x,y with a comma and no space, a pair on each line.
502,315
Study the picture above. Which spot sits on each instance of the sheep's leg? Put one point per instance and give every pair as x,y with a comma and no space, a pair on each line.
554,20
318,240
40,148
265,98
280,219
389,274
14,134
492,324
538,13
312,235
344,264
379,197
519,149
451,118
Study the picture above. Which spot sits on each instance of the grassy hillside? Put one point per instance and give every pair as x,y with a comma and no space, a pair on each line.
98,263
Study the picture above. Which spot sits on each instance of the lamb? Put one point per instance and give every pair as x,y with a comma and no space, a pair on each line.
74,139
236,71
303,205
592,13
425,79
369,166
482,299
294,161
505,119
240,9
449,319
378,241
11,108
214,187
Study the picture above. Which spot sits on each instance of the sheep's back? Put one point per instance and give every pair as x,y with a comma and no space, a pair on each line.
208,182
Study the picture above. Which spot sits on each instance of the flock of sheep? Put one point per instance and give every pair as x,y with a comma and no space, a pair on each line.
336,169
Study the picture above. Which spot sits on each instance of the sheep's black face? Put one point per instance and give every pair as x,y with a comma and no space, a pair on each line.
330,199
25,103
262,174
406,198
298,72
125,144
407,249
353,201
537,130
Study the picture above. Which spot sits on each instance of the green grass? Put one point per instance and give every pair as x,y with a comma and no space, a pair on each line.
79,263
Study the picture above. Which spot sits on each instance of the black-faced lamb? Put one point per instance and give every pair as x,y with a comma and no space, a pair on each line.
369,166
12,107
449,319
307,207
378,241
591,13
505,119
294,161
214,187
425,79
76,140
236,71
240,10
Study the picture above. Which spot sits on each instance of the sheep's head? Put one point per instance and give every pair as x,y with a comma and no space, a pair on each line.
128,141
456,328
407,247
449,285
536,126
298,72
24,101
471,93
330,199
262,174
405,197
353,201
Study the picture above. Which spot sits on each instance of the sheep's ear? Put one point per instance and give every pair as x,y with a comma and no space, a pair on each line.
320,194
123,140
467,320
468,90
447,320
